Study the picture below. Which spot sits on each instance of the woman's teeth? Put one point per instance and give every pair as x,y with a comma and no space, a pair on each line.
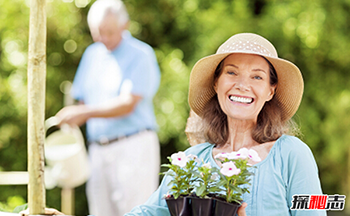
241,99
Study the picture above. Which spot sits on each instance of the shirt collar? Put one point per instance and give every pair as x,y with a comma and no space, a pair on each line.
126,35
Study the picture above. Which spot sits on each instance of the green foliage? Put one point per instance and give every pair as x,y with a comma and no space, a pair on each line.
190,176
65,23
234,186
183,177
20,208
11,203
312,34
207,181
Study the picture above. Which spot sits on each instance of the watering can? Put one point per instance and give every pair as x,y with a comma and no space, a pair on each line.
66,156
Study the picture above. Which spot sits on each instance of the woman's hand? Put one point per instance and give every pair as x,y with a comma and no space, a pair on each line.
48,211
241,210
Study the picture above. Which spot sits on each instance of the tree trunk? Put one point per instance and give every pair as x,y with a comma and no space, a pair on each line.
36,106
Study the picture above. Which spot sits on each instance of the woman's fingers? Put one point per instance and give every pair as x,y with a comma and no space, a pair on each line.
241,210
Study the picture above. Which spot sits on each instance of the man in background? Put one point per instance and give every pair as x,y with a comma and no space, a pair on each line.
115,83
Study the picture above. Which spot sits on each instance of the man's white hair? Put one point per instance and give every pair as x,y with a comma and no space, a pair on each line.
101,8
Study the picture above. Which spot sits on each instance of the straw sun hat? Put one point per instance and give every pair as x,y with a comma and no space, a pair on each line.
290,85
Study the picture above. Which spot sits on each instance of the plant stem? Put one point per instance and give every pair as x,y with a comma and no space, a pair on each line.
229,195
178,185
206,186
228,191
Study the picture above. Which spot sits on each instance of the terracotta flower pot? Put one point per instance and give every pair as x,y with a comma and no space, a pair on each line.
225,208
202,207
180,206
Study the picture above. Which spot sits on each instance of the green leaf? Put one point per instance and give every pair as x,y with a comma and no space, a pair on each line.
20,208
200,190
176,196
166,165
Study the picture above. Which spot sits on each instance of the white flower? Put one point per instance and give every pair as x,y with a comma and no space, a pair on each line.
193,157
223,155
229,169
242,153
254,155
207,165
167,195
179,159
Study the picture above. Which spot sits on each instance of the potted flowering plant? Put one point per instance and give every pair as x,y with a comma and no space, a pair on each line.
206,190
182,169
234,179
206,186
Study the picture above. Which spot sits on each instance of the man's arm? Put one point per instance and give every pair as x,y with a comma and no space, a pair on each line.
79,114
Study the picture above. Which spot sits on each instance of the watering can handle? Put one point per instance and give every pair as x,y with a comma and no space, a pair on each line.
52,125
51,122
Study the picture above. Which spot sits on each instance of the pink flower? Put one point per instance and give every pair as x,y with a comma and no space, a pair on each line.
242,153
229,169
167,195
254,155
223,155
179,159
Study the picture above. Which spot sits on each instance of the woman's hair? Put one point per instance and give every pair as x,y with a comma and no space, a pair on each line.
269,127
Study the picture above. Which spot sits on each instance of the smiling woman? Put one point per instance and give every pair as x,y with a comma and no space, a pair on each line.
246,96
245,63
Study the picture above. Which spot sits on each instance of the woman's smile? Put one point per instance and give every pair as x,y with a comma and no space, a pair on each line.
241,99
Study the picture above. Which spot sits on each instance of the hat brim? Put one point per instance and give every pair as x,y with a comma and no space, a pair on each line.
288,93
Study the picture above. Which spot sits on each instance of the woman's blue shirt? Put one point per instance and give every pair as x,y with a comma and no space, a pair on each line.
289,169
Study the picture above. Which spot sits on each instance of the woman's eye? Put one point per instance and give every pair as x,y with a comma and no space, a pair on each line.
258,77
231,72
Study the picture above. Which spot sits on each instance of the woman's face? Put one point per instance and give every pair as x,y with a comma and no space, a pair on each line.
244,86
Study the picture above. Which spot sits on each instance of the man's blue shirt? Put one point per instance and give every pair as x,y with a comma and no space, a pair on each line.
102,75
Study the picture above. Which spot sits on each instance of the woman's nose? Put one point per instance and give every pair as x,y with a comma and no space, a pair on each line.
242,84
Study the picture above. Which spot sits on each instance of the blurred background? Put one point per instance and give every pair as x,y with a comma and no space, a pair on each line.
315,35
